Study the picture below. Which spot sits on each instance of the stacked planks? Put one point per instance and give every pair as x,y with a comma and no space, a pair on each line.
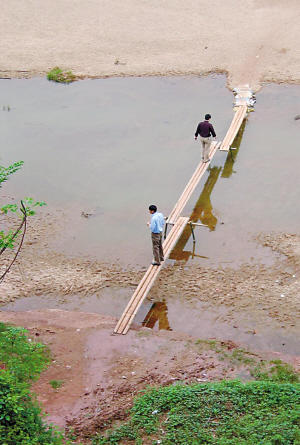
237,120
148,279
199,172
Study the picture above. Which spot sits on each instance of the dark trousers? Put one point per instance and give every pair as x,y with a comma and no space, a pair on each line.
158,254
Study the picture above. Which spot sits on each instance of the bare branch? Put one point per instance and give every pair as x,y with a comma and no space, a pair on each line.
24,223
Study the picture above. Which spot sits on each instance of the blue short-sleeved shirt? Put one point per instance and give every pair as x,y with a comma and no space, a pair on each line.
157,222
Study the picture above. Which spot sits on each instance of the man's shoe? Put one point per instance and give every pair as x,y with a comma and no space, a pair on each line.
154,263
206,161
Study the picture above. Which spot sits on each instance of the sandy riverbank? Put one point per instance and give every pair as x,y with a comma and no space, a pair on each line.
268,294
253,41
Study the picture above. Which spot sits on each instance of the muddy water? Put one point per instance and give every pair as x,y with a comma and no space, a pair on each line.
111,147
194,317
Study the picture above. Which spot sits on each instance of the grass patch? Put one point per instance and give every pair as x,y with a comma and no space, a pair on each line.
225,413
275,371
56,383
226,352
58,75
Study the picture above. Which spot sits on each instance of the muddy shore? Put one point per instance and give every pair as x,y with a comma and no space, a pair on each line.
264,291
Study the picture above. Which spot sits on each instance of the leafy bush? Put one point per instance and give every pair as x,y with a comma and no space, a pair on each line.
21,362
20,416
21,357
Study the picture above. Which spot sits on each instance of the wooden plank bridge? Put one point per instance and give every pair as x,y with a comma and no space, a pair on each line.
244,96
148,279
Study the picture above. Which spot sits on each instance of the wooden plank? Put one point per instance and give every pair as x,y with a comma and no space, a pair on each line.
234,127
239,115
202,167
140,301
145,286
147,281
199,172
231,129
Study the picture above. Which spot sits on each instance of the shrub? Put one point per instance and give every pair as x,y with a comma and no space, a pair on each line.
20,416
58,75
22,361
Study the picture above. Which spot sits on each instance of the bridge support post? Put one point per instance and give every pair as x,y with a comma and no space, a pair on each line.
193,234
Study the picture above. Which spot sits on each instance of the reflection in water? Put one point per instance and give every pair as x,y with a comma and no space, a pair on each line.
203,210
232,154
158,312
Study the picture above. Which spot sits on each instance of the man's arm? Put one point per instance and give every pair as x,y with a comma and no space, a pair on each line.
152,224
212,130
197,132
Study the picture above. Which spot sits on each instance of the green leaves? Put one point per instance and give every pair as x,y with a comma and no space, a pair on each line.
28,204
27,208
226,413
20,415
5,172
24,359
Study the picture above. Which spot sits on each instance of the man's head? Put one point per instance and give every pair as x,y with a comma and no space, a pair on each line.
152,209
207,117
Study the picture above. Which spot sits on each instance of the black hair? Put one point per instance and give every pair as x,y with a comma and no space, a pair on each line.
152,208
207,117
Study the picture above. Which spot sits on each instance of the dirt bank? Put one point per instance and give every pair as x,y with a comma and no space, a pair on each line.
101,373
253,41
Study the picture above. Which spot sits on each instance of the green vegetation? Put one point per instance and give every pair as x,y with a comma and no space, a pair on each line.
5,172
21,362
58,75
265,411
56,383
275,371
8,238
225,413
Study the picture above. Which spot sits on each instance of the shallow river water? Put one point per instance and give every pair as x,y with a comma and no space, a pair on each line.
111,147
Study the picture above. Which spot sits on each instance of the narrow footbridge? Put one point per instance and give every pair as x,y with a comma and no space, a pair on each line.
244,102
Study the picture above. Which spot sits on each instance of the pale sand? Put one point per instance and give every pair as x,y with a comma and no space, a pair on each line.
251,40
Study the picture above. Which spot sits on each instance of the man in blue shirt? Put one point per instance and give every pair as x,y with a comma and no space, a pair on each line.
156,227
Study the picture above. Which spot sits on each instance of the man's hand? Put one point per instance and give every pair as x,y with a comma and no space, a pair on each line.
195,138
148,224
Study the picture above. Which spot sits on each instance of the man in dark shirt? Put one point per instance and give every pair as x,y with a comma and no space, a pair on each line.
205,130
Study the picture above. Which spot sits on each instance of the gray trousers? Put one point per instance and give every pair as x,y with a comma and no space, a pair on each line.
158,254
206,143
